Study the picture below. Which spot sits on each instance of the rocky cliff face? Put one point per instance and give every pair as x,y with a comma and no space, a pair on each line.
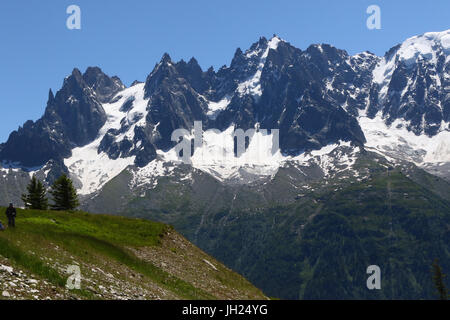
72,118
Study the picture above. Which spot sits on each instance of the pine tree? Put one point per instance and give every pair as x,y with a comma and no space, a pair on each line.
64,194
36,198
438,279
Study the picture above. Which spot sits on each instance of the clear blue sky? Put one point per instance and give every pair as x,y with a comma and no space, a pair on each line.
127,38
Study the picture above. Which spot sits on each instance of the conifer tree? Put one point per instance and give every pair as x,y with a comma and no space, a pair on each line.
438,279
64,194
36,198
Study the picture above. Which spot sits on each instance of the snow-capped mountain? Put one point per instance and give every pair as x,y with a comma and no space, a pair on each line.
413,83
397,105
409,113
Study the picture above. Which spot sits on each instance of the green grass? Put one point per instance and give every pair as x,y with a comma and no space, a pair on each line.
89,238
36,266
12,252
119,230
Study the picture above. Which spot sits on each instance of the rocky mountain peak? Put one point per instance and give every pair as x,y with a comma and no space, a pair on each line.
72,118
166,58
164,70
51,96
411,80
104,86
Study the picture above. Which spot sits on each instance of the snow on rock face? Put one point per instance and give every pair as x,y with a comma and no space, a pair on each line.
330,159
383,73
93,169
252,85
147,176
445,42
426,47
412,80
214,108
134,117
216,157
416,47
396,141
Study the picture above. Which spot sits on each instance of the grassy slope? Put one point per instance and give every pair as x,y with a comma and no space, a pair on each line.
118,257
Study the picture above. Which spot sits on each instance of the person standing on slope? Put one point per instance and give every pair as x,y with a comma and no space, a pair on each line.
11,215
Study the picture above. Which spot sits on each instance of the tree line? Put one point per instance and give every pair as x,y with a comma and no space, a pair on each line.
64,195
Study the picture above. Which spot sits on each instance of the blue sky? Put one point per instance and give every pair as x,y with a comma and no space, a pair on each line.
127,38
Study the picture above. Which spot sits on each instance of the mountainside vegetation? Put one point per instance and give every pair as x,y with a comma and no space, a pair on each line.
319,245
118,258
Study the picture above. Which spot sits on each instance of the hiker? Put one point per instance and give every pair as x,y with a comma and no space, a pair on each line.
11,214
